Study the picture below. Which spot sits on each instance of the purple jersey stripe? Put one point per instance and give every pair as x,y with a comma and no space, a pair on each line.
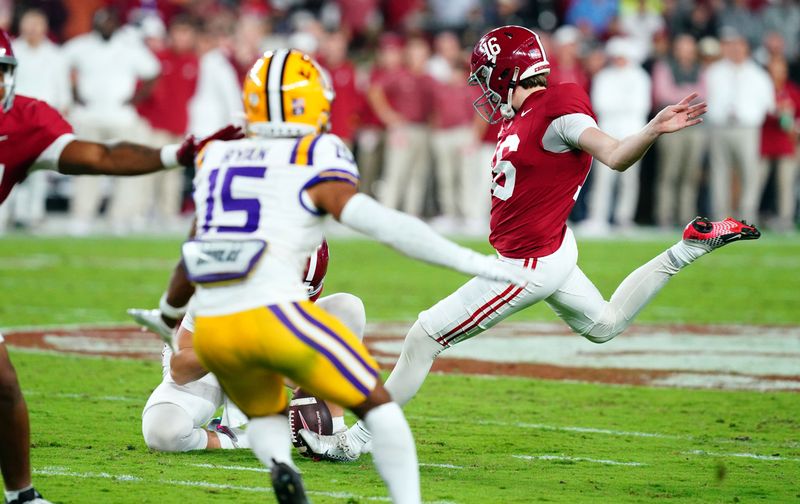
316,346
293,157
212,184
311,150
335,336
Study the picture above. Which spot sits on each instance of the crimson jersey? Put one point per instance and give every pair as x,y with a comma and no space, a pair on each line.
26,132
535,188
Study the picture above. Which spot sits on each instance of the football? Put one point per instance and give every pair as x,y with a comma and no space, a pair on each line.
308,412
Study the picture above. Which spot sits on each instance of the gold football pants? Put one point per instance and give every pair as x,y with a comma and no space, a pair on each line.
251,351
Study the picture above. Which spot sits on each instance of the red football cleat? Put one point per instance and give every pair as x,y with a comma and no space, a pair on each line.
713,235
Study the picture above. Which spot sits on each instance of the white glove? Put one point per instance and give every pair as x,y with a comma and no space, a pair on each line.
151,320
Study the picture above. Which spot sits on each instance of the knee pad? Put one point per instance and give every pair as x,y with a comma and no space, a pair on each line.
169,428
606,327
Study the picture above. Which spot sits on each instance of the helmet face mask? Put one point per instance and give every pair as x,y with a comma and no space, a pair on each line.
488,104
8,64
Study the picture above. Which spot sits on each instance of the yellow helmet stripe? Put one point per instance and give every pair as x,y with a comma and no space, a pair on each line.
277,67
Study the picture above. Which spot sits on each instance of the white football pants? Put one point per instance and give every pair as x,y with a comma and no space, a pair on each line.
480,304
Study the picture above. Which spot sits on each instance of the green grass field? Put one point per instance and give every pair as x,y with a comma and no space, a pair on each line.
481,439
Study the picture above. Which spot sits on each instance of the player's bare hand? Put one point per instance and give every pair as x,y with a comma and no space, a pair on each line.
681,115
191,146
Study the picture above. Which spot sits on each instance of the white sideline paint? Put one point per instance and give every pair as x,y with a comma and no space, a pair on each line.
66,472
774,458
265,470
578,459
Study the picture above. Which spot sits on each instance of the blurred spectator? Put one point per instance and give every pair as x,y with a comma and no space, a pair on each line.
167,112
452,132
345,108
680,154
740,95
371,134
565,65
107,65
217,99
80,16
737,15
55,11
697,19
621,99
480,154
402,99
593,17
447,54
41,74
778,144
249,42
710,51
783,16
640,23
452,14
772,46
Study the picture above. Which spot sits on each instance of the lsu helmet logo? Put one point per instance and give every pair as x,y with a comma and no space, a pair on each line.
287,94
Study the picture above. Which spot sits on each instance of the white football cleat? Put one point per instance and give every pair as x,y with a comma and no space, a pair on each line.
152,321
337,447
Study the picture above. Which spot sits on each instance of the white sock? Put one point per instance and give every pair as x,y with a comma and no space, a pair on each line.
682,253
394,452
225,442
270,438
338,424
413,365
13,494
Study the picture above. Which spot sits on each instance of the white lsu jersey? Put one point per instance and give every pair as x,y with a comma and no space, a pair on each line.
253,190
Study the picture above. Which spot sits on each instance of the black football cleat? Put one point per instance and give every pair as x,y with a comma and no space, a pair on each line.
29,496
288,484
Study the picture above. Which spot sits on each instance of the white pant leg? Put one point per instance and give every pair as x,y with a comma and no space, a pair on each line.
29,201
747,143
418,169
448,166
396,167
720,173
692,174
787,188
480,303
87,191
628,196
174,414
130,195
602,192
476,200
667,178
578,302
474,307
347,308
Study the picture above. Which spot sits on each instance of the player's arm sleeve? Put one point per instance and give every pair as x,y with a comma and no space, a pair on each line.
412,237
563,132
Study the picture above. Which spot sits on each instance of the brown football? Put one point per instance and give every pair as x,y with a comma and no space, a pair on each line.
308,412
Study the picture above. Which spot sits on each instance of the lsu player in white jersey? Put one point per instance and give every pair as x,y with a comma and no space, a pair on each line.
260,204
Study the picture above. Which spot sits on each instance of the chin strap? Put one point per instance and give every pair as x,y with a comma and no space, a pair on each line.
506,109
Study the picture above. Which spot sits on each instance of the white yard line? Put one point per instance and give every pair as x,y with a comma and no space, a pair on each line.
66,472
264,470
774,458
578,459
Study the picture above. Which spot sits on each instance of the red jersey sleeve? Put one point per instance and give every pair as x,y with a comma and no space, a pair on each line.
51,124
569,98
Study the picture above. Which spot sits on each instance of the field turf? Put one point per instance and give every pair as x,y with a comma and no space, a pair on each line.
480,439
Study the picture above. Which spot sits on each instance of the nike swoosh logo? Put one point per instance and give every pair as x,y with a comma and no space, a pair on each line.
525,113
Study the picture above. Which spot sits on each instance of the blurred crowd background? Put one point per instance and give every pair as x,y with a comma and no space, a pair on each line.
152,71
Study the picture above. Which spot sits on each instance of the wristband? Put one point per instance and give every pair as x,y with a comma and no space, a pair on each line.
169,155
170,311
